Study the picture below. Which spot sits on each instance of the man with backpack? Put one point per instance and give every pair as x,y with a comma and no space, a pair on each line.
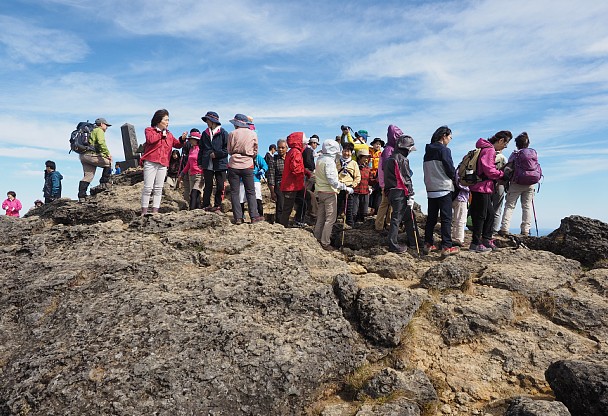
526,174
98,156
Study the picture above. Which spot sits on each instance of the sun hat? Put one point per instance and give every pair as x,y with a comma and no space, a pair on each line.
212,117
194,135
240,120
363,152
377,139
314,139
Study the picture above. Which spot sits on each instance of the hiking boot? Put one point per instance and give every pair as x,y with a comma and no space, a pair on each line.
479,248
398,250
456,243
448,251
238,221
327,247
428,248
503,233
257,219
490,244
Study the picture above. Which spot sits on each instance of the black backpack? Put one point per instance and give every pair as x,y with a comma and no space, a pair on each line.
79,139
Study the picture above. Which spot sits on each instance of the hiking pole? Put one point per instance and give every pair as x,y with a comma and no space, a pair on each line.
415,225
534,211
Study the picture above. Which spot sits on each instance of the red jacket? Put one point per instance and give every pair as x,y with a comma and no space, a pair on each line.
293,173
363,187
158,148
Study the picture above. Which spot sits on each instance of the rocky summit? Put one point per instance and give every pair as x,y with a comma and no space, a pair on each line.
105,312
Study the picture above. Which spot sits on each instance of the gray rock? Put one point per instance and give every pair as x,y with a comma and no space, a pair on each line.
411,384
383,312
444,275
582,386
525,406
399,407
579,238
346,290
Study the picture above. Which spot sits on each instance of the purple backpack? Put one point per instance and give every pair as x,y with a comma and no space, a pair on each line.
526,169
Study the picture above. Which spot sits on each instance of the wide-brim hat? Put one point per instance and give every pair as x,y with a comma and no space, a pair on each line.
194,135
378,139
363,152
213,117
240,120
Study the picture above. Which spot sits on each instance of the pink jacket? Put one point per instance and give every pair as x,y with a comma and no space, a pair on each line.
158,148
242,147
486,167
12,207
192,167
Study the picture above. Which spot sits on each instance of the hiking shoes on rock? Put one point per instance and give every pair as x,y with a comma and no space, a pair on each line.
428,248
479,248
448,251
503,233
257,219
238,221
490,244
398,250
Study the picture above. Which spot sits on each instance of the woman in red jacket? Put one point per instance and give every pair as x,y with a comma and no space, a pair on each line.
157,151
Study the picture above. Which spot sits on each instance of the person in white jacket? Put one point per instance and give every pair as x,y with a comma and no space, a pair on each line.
327,187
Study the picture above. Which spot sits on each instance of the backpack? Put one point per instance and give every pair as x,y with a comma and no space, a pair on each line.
526,169
79,139
467,169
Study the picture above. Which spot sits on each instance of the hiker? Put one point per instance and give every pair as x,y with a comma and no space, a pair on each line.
157,150
213,159
272,149
92,159
38,203
376,196
459,212
173,172
182,179
349,175
361,194
498,197
117,169
439,173
523,154
383,213
308,204
242,147
360,142
292,183
398,186
326,188
52,182
259,170
347,135
482,212
275,176
12,205
193,172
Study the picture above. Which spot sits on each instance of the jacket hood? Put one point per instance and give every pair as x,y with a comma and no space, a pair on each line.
483,143
296,140
392,134
330,147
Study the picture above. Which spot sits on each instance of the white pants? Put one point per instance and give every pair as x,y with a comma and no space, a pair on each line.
154,178
258,192
527,196
459,220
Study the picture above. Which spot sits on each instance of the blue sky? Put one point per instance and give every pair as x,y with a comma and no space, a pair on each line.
478,66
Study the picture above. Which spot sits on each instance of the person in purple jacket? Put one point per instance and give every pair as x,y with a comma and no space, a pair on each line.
482,210
384,210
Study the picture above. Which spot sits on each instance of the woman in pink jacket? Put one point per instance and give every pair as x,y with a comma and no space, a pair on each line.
11,204
157,151
482,210
194,171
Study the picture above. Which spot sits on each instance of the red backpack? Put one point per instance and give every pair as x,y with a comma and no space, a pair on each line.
526,169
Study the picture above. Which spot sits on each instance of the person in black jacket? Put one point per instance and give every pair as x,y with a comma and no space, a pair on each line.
398,186
213,160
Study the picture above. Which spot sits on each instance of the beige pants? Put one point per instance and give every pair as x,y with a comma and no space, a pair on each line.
459,220
383,216
527,196
310,184
90,162
195,182
327,211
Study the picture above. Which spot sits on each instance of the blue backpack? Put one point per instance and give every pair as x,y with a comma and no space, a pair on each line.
79,139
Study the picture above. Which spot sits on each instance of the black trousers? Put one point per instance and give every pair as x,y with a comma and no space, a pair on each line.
441,205
482,214
220,178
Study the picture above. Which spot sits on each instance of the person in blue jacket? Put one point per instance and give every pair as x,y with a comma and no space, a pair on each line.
52,182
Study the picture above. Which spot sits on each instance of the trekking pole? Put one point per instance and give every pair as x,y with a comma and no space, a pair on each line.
535,222
415,224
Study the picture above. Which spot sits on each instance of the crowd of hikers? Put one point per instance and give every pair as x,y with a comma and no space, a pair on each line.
347,178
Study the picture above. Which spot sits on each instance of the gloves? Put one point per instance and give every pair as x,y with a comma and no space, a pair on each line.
410,202
349,190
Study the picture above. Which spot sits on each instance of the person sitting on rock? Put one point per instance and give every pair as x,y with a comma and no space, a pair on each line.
349,175
398,185
327,186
